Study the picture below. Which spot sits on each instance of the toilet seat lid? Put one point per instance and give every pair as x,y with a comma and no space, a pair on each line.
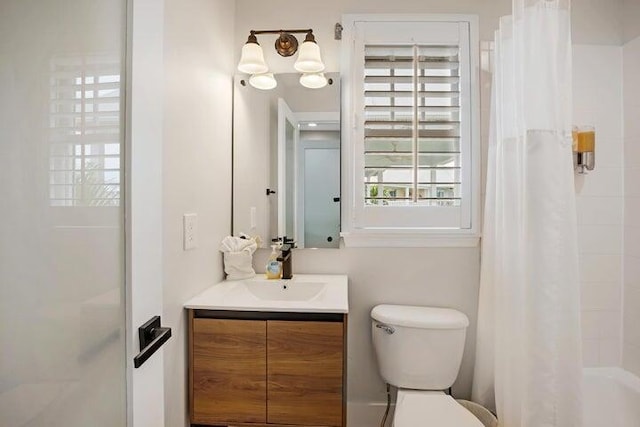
416,408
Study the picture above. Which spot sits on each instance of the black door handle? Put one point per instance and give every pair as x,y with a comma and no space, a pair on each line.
152,336
336,199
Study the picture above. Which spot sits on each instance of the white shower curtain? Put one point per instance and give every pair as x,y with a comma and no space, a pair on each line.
528,356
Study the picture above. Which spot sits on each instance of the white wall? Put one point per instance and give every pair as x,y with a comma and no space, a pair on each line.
597,21
631,346
630,20
597,87
197,167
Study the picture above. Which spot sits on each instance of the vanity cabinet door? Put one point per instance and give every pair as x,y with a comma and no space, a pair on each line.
304,373
228,371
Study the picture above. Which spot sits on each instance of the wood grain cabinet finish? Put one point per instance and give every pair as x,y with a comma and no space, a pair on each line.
267,373
228,371
304,373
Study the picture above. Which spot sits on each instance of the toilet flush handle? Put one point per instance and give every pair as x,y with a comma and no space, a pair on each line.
388,329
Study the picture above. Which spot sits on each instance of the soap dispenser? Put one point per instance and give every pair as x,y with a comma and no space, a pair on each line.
274,267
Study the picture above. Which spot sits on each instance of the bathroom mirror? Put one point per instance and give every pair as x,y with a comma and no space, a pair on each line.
286,161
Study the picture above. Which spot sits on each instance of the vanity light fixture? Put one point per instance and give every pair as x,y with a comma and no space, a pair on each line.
309,61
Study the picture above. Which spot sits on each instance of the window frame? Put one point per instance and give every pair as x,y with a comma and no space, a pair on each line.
359,233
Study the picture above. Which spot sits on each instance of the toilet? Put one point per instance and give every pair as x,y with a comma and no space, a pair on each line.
419,350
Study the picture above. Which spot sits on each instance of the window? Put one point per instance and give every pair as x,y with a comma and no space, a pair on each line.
84,131
413,142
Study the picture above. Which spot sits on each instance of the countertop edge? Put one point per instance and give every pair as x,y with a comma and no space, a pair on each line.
265,309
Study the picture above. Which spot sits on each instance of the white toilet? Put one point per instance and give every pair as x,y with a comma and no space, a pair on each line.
419,350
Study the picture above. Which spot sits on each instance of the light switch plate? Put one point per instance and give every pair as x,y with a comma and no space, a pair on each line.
190,231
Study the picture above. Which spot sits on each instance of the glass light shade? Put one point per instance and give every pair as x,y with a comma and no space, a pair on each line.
309,60
264,81
313,80
252,59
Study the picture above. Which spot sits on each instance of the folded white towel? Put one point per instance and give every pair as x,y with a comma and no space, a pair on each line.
238,258
238,244
238,265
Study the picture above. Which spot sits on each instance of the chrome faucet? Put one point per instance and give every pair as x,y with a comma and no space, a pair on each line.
286,249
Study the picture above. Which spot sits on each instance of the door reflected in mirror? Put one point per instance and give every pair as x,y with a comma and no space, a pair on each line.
286,162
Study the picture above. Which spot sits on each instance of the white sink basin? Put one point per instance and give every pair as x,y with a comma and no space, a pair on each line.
304,293
282,290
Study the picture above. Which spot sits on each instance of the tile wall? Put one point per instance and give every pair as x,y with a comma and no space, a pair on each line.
631,340
598,101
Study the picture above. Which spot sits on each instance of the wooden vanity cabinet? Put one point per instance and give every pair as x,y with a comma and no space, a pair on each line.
228,363
304,373
267,369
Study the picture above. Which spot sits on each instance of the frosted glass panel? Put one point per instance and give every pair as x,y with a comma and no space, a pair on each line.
62,361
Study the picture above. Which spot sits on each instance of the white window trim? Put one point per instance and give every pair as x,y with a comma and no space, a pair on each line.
406,237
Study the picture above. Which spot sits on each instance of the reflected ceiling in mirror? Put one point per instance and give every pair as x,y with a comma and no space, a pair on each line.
286,161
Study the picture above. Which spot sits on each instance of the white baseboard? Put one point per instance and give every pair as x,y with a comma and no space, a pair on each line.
367,414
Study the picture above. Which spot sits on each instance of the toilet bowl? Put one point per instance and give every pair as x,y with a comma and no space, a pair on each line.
419,351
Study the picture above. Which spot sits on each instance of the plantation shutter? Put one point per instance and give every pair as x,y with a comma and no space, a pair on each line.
412,100
412,125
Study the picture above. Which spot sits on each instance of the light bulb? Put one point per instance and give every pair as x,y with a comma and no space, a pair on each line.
252,59
264,81
313,80
309,60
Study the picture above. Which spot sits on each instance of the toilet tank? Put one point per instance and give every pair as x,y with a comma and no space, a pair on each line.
418,347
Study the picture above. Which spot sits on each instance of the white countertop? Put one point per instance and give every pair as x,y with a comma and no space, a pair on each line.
304,293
